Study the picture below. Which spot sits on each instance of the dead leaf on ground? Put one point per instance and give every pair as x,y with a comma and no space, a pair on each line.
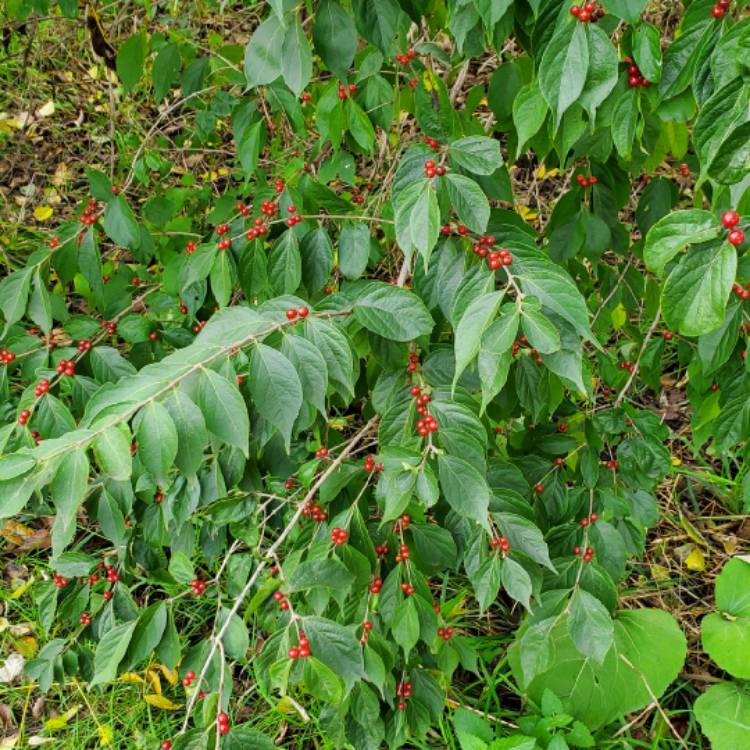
12,668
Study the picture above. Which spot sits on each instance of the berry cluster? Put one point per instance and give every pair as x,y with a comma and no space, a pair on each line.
588,553
294,312
301,652
191,247
407,58
381,550
88,217
112,575
501,542
591,518
371,466
222,723
720,8
587,12
314,511
403,691
6,357
367,627
626,364
523,341
339,536
41,388
499,258
198,586
402,523
403,554
408,589
85,618
243,209
292,220
431,169
258,230
346,91
83,346
281,599
321,452
278,185
611,463
375,585
54,242
60,581
268,208
432,143
187,680
584,181
66,367
740,291
413,362
110,327
445,633
422,399
24,416
635,79
427,425
684,170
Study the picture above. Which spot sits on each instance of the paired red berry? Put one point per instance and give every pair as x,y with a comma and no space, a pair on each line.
191,247
346,91
321,452
407,58
403,554
54,242
371,466
408,589
222,723
500,542
85,619
84,345
41,388
187,680
24,416
6,357
375,585
60,581
741,291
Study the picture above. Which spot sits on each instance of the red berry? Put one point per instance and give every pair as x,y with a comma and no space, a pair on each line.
717,11
303,312
291,313
730,219
293,652
575,11
538,487
736,237
166,745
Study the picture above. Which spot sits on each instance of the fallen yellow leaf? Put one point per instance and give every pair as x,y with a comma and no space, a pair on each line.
170,675
46,109
131,677
153,677
27,646
161,701
61,721
696,560
42,213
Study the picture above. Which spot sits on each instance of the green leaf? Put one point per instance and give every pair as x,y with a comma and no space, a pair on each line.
110,652
148,633
244,737
564,67
405,626
236,639
40,304
335,37
112,452
494,358
322,682
590,625
724,715
14,294
68,490
317,259
417,218
181,567
477,153
336,646
120,223
392,312
264,52
674,232
130,59
376,21
529,113
73,564
359,124
327,573
647,51
601,77
275,388
468,201
354,249
524,536
628,10
192,437
697,290
285,264
224,410
516,581
166,68
486,582
648,639
15,493
464,488
540,332
311,368
474,322
727,642
624,121
296,58
222,278
157,440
